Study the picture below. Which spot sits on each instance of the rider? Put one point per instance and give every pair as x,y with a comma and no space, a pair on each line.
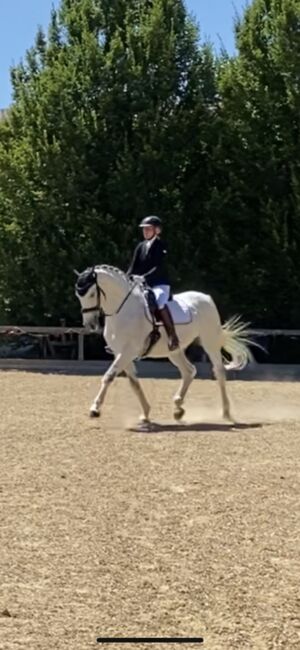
149,259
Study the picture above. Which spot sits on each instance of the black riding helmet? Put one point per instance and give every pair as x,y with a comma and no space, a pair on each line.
151,221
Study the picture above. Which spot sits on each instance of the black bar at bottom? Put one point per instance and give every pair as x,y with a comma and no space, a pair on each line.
146,639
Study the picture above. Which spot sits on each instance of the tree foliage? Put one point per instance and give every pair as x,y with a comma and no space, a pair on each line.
121,111
260,116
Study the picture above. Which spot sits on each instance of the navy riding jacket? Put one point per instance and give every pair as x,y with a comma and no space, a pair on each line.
150,256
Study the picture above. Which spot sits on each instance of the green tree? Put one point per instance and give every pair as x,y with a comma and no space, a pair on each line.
259,163
107,111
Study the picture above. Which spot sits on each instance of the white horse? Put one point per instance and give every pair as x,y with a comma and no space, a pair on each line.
128,326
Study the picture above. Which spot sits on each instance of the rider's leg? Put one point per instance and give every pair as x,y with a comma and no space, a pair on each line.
162,293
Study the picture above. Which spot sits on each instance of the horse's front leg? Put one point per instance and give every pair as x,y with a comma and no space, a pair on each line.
119,364
137,388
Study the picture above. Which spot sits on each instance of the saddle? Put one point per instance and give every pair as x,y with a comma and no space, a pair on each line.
151,304
179,309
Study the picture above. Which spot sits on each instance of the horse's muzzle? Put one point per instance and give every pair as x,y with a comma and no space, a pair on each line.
95,325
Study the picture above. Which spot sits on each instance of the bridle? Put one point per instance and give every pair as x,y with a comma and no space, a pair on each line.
97,307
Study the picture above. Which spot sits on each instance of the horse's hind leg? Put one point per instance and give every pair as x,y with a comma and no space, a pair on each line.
188,372
219,372
137,388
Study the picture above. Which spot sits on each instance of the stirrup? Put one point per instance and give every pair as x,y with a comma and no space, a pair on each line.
154,336
173,344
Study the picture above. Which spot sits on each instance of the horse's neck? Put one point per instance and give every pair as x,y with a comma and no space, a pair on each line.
115,288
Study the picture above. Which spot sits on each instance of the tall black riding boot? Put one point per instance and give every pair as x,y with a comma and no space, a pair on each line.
167,320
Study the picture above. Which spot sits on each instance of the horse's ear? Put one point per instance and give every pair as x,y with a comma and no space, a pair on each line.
76,273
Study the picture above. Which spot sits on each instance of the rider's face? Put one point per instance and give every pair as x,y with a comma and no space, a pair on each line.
149,232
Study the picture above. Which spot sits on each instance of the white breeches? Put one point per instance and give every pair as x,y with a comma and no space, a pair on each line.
162,294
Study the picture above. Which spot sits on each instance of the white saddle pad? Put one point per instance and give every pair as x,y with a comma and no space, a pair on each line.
180,311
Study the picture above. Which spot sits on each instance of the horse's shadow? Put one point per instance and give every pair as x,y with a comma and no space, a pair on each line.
200,427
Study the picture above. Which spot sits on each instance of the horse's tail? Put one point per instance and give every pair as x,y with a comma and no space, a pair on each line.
236,341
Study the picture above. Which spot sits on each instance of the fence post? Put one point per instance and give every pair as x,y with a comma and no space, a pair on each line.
80,347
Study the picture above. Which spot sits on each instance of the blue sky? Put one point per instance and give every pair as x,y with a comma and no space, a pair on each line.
19,20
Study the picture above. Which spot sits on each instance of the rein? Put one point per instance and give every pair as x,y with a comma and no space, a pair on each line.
123,302
100,291
98,305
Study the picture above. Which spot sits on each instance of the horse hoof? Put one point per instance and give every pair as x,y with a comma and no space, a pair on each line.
143,419
144,425
179,413
94,414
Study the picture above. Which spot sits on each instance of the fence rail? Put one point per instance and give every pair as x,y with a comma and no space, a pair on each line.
64,337
73,337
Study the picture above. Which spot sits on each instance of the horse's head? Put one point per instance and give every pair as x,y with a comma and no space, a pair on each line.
89,294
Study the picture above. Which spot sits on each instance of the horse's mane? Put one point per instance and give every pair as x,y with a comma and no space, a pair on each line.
88,277
115,271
